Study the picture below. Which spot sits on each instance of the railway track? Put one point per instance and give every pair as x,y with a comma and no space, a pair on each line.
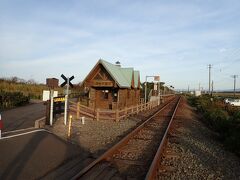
137,155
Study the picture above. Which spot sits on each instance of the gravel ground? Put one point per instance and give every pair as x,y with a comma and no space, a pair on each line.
98,136
199,154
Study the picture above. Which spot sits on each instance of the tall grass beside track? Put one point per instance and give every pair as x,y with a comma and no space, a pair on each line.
33,91
17,92
223,119
13,93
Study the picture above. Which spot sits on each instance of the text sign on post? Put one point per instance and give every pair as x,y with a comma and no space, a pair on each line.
58,105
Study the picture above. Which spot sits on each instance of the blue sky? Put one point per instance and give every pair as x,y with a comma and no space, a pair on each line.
173,39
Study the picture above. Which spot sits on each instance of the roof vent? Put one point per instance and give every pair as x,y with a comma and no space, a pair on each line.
118,64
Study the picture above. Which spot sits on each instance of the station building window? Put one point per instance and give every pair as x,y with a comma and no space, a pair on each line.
115,95
105,94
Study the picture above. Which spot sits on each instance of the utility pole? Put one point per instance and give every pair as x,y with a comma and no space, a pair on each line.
212,88
209,76
234,81
188,88
199,86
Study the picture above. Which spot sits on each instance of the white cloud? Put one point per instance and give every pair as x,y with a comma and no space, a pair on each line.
168,38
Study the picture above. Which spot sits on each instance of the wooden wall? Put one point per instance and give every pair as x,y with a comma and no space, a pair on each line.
127,98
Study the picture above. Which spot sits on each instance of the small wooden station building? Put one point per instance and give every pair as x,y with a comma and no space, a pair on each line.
112,87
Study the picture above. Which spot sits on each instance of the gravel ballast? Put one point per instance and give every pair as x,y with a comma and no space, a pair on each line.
98,136
199,154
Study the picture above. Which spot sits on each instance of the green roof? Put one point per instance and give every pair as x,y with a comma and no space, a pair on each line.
128,74
122,76
136,78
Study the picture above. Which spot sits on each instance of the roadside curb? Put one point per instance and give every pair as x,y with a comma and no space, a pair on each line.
40,123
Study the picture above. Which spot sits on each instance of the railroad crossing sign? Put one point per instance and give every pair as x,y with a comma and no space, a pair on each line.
67,81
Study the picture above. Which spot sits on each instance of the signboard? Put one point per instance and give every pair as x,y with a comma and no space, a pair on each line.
58,105
156,78
46,95
102,83
59,99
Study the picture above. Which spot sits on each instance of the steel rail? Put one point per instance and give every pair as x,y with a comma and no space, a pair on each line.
108,154
155,163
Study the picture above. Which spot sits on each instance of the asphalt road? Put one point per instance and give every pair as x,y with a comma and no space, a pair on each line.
22,117
40,154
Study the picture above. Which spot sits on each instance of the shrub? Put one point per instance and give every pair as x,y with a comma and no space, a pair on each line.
12,99
232,141
225,121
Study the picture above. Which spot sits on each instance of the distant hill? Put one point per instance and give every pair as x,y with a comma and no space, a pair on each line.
229,91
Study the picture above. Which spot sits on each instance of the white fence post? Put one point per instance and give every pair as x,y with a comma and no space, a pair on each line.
51,107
